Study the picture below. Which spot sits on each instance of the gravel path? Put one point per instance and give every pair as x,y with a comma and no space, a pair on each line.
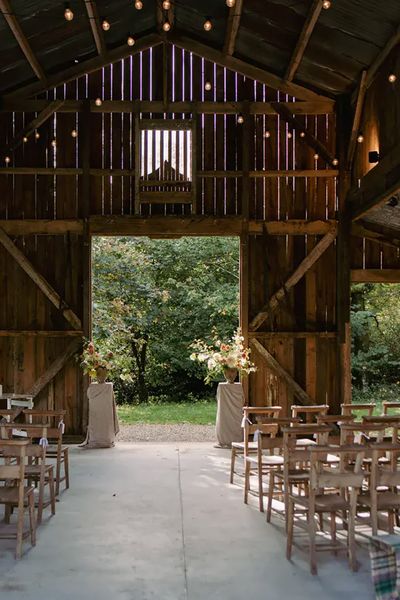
183,432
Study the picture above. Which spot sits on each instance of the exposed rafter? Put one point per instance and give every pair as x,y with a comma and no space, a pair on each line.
303,40
374,68
362,88
42,117
245,68
94,20
85,67
15,27
232,27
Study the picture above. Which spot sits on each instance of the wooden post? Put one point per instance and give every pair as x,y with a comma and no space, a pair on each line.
137,162
194,160
245,161
244,299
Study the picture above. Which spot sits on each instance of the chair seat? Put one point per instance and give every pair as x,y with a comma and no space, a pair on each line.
297,476
386,499
9,495
240,445
324,502
267,460
306,442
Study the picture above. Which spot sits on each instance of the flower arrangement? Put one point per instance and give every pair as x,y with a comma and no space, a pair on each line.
221,356
91,359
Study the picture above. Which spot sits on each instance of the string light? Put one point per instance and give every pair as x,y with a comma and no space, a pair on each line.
74,133
302,134
68,14
335,162
138,4
207,86
24,139
230,3
98,102
207,25
166,5
7,160
267,134
130,40
316,156
105,25
37,135
240,119
360,138
392,77
54,143
290,134
326,4
166,26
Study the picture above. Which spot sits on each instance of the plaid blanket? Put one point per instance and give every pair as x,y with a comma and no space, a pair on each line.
385,566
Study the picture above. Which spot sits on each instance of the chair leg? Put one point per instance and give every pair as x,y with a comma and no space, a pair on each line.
391,521
246,481
66,468
32,523
52,492
20,531
260,490
333,530
351,538
270,495
41,500
374,521
58,473
313,550
289,541
233,459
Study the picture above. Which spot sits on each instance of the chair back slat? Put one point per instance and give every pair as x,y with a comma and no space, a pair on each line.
356,409
13,449
311,412
347,473
389,406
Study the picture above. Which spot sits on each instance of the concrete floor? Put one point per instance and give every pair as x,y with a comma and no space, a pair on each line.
160,522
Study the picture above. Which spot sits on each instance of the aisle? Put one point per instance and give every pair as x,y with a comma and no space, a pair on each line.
160,522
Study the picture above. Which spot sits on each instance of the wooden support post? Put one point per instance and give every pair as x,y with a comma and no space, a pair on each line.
304,38
273,364
362,88
40,281
303,267
232,28
137,164
194,161
245,160
94,20
55,367
244,299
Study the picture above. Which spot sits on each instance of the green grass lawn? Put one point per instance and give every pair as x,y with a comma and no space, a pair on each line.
197,413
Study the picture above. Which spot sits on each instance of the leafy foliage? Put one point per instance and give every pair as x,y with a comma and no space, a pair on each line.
151,299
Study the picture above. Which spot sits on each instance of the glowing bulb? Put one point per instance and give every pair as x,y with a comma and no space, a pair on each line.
74,133
166,5
326,4
37,135
105,25
302,134
290,134
138,4
24,139
166,26
207,25
267,134
98,102
230,3
335,162
316,156
207,86
68,14
360,138
7,160
240,119
54,143
392,77
130,41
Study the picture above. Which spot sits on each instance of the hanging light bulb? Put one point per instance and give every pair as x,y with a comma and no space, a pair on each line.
68,14
105,25
290,135
138,4
166,26
316,156
240,119
230,3
360,138
98,102
54,143
335,162
207,86
326,4
207,25
74,133
166,5
130,40
392,78
7,160
37,135
24,139
302,134
267,134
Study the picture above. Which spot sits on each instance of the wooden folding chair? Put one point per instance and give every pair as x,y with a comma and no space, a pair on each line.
56,450
310,413
14,493
248,446
358,410
331,490
387,407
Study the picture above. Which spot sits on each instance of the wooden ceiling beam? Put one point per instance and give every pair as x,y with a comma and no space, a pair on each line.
42,117
245,68
380,59
377,186
304,38
23,43
94,20
85,67
375,275
362,89
232,27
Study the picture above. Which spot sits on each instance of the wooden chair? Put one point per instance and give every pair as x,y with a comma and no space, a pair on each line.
56,450
389,406
248,446
295,470
358,410
15,494
382,495
311,413
331,490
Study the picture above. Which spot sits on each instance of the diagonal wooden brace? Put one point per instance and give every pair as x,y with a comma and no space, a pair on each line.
55,367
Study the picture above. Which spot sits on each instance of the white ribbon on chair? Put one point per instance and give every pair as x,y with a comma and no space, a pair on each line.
256,435
244,421
43,442
61,426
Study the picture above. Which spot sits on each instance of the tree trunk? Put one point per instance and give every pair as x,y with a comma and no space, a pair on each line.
139,354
